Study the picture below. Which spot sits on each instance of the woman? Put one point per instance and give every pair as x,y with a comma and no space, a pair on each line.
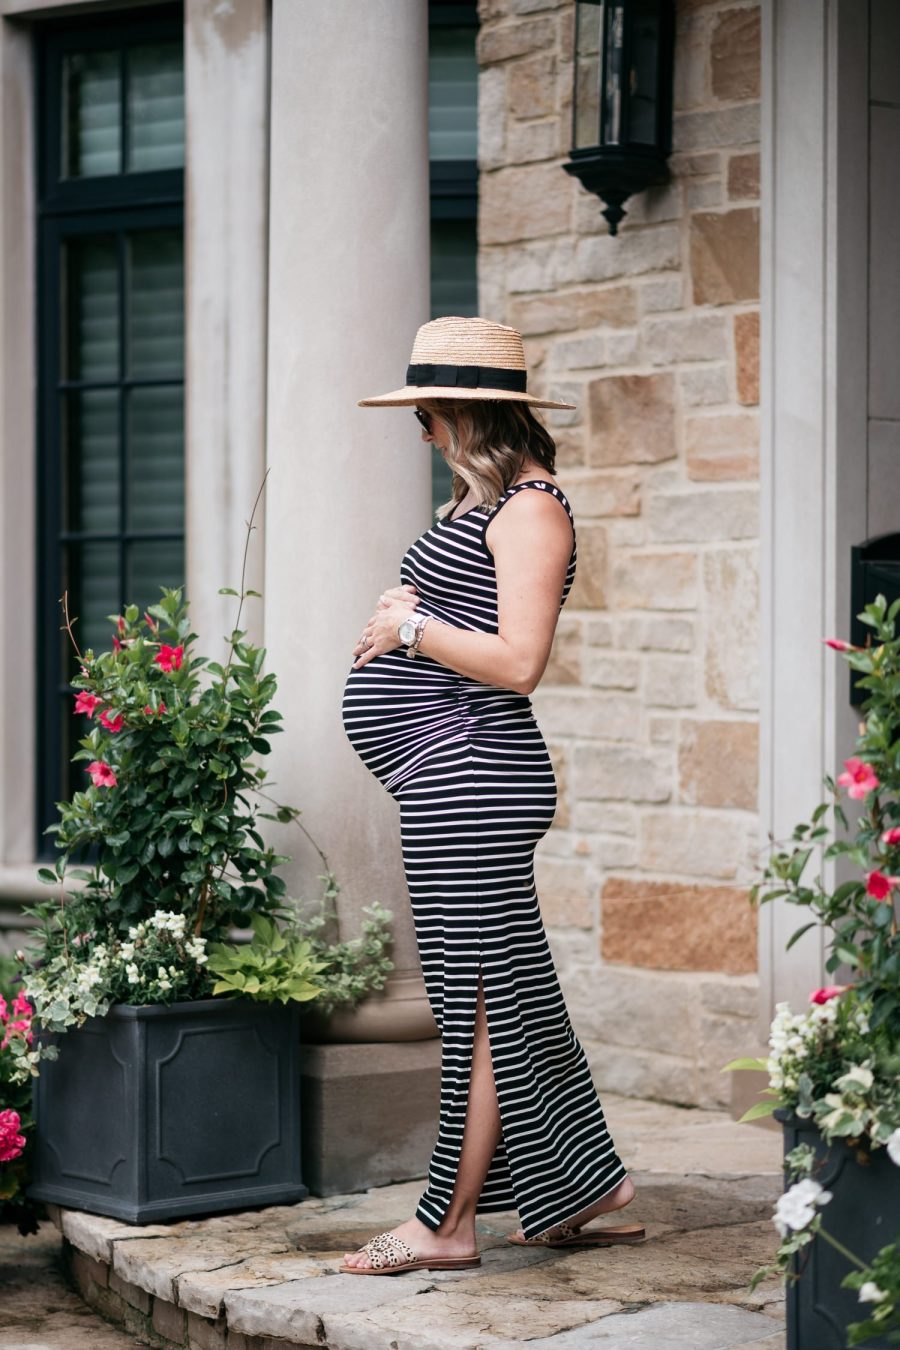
436,705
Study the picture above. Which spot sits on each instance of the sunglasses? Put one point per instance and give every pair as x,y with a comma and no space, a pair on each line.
424,419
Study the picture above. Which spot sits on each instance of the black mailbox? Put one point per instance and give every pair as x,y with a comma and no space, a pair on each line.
874,571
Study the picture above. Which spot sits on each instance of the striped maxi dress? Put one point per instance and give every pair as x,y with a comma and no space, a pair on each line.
470,770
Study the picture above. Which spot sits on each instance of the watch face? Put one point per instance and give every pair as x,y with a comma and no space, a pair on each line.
407,630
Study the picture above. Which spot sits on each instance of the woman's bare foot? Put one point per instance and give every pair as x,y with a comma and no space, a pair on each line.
615,1199
424,1241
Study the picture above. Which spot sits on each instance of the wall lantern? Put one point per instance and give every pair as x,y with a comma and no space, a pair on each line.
622,98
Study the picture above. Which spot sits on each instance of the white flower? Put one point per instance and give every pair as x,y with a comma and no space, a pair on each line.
893,1147
870,1293
797,1207
126,951
131,971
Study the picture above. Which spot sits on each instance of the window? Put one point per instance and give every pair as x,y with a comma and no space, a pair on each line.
453,152
110,347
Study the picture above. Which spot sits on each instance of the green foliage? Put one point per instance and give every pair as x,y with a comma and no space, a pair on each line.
271,966
352,968
879,1285
862,929
15,1095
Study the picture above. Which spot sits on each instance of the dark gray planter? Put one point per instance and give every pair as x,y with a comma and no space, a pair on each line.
155,1113
863,1214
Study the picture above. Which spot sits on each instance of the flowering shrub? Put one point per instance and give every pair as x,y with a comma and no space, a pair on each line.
838,1063
16,1123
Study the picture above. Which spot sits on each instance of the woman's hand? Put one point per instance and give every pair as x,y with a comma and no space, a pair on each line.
380,633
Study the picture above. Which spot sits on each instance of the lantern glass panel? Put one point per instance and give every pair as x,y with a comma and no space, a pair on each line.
644,73
588,34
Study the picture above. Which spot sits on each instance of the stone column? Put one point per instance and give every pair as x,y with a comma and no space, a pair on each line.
226,52
348,488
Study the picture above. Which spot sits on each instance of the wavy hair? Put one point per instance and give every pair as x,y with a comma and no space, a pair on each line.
488,442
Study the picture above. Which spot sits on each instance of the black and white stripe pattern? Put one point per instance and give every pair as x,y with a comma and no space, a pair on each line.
469,767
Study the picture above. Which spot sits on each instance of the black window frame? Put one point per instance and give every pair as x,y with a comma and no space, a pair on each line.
68,208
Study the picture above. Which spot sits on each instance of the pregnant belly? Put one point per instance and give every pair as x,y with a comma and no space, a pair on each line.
396,710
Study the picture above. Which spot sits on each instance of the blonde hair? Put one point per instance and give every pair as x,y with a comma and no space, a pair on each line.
488,442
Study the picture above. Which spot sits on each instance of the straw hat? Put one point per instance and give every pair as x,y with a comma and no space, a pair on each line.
464,358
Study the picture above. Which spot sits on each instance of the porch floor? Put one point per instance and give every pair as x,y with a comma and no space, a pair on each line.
265,1279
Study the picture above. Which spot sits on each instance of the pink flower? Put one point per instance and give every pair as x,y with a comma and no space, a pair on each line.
827,992
891,836
879,886
112,723
101,774
839,644
161,709
859,779
150,621
11,1142
169,658
4,1010
86,703
120,624
117,646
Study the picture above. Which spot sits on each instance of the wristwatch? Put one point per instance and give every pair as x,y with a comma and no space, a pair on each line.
410,631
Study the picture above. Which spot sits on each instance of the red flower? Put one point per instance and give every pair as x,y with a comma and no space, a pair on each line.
839,644
101,774
120,624
827,992
161,709
117,646
150,621
112,723
86,703
859,780
891,836
879,886
169,658
11,1142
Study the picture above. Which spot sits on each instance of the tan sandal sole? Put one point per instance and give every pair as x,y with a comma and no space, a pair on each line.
596,1237
435,1263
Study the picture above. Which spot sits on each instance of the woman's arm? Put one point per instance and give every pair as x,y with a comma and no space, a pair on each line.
531,540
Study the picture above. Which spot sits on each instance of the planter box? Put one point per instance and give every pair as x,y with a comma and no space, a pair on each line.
863,1214
153,1113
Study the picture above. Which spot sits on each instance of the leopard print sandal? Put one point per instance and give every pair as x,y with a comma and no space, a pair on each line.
391,1256
563,1235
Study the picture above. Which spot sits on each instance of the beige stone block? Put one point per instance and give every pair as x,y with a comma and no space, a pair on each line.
661,730
728,127
659,633
662,293
566,891
704,192
722,447
632,419
532,86
691,85
559,761
696,165
670,681
492,99
717,763
570,451
589,588
529,142
581,353
615,306
528,202
501,42
677,926
735,55
632,773
641,1073
654,581
599,493
168,1321
586,713
704,385
598,632
540,265
131,1293
692,843
733,995
612,670
720,1039
746,356
564,666
731,627
687,337
614,852
547,314
665,201
703,515
743,176
646,1010
603,257
622,349
606,818
724,250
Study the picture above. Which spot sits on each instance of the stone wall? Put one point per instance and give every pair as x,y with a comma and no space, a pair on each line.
650,701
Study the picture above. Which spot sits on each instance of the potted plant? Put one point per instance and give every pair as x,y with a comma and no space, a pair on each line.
834,1069
176,1091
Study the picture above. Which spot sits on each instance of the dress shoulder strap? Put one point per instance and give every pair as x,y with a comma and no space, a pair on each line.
541,485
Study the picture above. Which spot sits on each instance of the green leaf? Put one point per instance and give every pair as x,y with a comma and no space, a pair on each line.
745,1062
227,590
758,1109
48,877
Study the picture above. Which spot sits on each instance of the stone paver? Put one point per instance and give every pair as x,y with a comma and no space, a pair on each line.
705,1187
